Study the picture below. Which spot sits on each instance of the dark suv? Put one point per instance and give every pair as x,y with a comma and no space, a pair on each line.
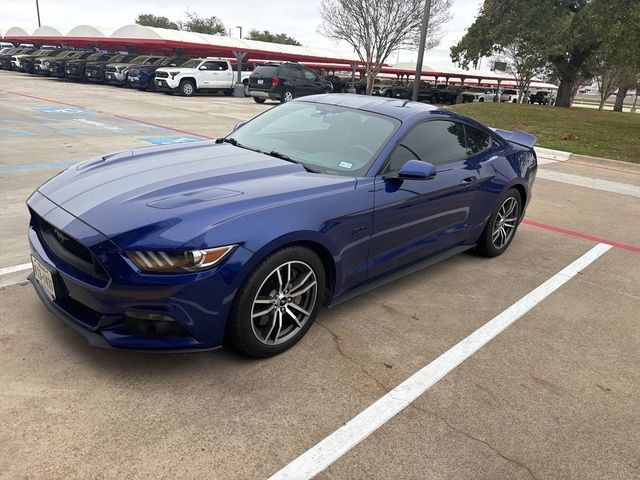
284,82
543,98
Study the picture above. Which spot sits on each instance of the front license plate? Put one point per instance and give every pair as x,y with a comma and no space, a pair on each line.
260,82
44,277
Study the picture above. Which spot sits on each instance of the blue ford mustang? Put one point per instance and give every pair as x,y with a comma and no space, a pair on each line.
241,240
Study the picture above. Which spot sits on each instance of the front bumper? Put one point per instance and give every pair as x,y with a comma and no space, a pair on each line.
197,302
166,85
95,76
113,78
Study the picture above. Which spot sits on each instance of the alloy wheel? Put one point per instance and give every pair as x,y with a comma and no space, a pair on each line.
505,223
288,96
284,303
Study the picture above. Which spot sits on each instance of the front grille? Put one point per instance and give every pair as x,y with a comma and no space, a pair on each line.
162,74
111,69
69,250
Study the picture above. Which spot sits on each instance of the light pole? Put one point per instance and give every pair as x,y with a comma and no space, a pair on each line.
240,31
38,11
423,43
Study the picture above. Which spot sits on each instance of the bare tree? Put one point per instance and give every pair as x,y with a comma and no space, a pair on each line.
377,28
523,63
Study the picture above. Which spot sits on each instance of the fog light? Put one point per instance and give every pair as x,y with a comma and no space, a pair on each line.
152,324
154,317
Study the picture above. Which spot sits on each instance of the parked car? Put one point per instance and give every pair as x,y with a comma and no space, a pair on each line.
199,75
95,72
509,96
478,94
284,82
116,73
383,88
542,98
56,66
142,76
76,69
440,93
241,240
23,62
339,84
42,65
5,56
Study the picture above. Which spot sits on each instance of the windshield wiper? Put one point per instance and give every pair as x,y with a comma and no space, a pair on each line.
282,156
235,143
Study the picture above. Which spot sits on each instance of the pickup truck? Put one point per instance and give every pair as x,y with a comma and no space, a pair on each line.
509,96
198,75
479,94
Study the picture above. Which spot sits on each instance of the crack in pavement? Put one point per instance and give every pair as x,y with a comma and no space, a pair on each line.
479,440
336,341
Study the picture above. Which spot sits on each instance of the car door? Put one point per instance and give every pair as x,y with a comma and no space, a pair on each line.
416,218
313,83
209,74
221,74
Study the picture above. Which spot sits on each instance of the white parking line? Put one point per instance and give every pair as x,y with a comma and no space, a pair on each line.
327,451
15,268
588,182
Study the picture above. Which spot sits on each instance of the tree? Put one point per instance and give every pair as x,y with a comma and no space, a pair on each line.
523,62
195,23
566,33
150,20
267,36
376,28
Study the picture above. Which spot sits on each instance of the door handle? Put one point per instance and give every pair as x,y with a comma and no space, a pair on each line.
468,181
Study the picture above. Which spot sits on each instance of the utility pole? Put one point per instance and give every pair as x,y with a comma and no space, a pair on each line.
423,43
38,10
240,31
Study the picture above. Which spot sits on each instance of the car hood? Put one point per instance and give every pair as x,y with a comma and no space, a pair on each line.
198,185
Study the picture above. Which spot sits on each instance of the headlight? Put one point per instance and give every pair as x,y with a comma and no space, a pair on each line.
172,262
174,74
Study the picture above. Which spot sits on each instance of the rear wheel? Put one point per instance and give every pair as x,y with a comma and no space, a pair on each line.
287,96
187,88
481,100
246,89
258,100
434,99
277,303
502,225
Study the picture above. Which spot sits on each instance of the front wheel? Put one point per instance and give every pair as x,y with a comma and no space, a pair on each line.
187,88
259,100
277,303
502,225
246,89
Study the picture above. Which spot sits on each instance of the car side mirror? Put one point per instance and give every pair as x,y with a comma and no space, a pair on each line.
414,170
238,125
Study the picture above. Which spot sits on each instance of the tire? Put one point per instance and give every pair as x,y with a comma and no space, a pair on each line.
187,88
481,100
246,89
266,291
287,96
434,99
515,100
259,100
492,243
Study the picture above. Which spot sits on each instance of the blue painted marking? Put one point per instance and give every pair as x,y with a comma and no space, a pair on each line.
59,110
35,166
167,140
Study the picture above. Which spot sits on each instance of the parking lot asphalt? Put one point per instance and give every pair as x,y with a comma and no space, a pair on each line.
556,395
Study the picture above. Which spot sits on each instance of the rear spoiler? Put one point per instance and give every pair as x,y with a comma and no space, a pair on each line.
518,137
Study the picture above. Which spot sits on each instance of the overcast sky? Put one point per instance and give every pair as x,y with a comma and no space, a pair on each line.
297,18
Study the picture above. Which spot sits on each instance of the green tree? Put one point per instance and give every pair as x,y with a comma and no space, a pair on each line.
209,25
150,20
267,36
565,33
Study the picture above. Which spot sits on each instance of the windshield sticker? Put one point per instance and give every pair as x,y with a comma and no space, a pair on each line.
345,165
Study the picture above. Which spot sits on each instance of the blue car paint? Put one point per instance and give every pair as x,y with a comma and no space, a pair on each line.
203,194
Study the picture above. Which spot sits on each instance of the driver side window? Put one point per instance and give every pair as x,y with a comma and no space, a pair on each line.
437,142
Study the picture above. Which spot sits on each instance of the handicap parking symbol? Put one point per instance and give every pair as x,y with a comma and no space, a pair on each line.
62,110
168,140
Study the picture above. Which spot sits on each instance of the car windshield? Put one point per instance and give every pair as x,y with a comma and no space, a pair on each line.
324,138
510,92
193,63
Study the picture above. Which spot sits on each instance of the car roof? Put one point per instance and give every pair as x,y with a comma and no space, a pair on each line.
400,109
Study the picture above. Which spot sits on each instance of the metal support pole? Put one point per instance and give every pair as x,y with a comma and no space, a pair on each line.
38,11
238,88
352,88
635,101
423,43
